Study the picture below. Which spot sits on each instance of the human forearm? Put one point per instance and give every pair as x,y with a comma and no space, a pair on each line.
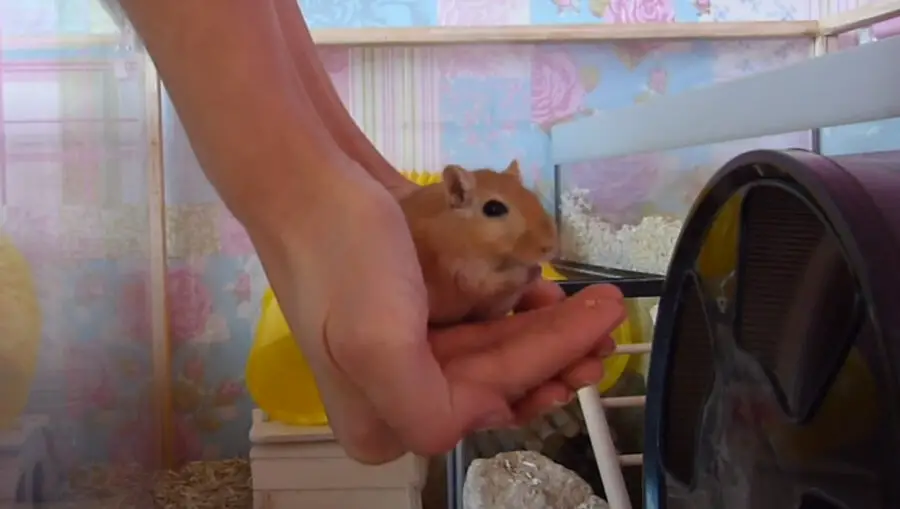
337,119
252,125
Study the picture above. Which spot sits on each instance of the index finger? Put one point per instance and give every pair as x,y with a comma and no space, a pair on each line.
555,337
477,336
451,343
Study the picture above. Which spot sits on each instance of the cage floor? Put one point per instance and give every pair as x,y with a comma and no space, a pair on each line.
198,485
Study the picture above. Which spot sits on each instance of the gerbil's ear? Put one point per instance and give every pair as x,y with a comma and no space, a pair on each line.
458,183
513,169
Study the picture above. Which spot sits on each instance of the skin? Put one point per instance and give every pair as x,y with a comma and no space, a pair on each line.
270,133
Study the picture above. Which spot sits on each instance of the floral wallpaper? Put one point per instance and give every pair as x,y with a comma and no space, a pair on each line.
73,178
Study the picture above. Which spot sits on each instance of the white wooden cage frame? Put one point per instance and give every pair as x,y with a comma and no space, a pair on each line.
622,133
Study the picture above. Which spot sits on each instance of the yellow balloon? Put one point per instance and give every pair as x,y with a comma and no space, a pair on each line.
20,332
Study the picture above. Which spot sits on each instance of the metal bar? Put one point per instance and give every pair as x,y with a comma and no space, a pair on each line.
591,270
557,191
456,471
630,288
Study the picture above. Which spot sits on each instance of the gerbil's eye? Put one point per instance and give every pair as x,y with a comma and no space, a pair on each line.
494,208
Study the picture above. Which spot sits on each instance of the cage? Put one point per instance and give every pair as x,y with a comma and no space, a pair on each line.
627,225
620,143
623,210
147,291
764,345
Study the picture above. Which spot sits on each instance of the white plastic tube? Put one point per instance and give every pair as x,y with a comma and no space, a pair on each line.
604,450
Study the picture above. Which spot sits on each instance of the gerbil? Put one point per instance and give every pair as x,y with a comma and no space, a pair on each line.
480,237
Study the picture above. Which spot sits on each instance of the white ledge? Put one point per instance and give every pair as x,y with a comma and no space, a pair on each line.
856,85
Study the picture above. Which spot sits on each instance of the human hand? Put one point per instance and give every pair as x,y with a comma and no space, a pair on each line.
498,353
349,284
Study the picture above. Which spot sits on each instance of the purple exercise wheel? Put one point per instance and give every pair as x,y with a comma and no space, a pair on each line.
774,375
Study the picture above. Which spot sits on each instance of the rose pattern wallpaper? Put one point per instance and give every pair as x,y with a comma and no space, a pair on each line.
73,178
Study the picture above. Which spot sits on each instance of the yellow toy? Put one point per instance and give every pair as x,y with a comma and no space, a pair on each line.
281,382
278,377
20,333
848,414
718,255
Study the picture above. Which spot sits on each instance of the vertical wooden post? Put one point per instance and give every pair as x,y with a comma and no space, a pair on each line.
156,208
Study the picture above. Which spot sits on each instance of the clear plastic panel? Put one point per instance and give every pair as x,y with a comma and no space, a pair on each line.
77,421
886,29
878,136
876,32
627,212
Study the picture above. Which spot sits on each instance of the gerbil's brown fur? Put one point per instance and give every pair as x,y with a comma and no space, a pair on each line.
480,237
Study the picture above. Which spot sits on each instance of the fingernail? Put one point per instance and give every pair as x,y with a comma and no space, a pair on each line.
492,421
607,347
565,401
611,293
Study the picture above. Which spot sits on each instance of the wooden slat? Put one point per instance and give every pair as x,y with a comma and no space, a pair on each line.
631,460
564,33
417,36
860,17
623,401
156,203
633,349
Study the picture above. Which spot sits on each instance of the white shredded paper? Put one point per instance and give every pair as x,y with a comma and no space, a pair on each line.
645,247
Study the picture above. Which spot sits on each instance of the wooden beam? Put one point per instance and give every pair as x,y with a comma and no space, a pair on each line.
423,36
161,347
585,33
